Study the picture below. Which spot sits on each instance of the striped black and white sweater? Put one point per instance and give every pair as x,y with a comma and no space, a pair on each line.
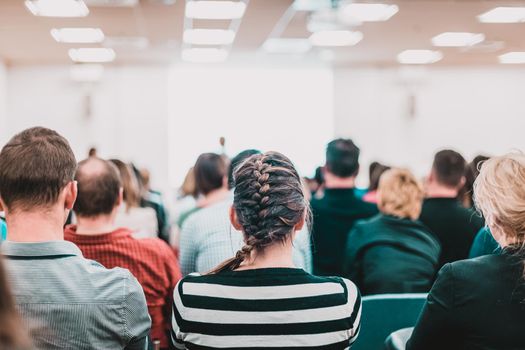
283,308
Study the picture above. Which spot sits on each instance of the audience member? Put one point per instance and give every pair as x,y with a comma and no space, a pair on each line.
257,299
153,199
185,200
13,334
150,260
454,225
142,221
92,152
471,173
236,161
484,244
205,234
478,303
3,230
335,214
393,252
207,238
79,303
376,170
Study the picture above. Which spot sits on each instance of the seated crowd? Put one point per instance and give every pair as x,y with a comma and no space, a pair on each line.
254,256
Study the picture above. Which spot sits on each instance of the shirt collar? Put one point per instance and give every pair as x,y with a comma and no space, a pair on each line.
40,249
70,234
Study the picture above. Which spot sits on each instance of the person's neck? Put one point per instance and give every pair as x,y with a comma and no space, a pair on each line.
213,197
277,255
436,190
336,182
96,225
41,226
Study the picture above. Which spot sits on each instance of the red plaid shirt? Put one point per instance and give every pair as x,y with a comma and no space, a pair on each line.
150,260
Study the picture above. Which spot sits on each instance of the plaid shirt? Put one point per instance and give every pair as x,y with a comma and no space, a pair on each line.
150,260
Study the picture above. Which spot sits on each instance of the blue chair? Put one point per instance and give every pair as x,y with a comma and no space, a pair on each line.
384,314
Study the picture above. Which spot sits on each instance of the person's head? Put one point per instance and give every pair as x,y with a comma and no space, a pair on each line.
12,333
400,194
37,167
471,173
448,169
210,172
499,194
236,161
145,177
92,152
130,185
188,187
342,158
375,174
99,188
269,205
475,165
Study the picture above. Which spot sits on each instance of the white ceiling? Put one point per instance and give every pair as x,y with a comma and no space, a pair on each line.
25,39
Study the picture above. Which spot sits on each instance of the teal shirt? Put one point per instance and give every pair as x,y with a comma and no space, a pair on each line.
3,230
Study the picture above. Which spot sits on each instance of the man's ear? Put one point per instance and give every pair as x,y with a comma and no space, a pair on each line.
300,224
71,195
234,220
120,198
1,204
462,182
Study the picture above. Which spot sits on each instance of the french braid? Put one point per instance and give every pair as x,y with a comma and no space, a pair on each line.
268,200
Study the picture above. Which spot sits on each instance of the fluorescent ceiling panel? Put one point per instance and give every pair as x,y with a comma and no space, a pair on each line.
516,57
366,12
57,8
419,57
457,39
503,15
92,55
78,35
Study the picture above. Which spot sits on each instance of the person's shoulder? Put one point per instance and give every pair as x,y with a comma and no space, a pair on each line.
477,271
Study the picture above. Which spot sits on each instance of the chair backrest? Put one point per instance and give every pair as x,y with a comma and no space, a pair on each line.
384,314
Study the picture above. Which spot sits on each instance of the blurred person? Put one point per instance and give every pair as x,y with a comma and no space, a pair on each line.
471,173
153,199
258,298
185,197
376,170
141,221
3,229
93,152
478,303
13,333
454,225
207,237
393,252
79,303
335,214
150,260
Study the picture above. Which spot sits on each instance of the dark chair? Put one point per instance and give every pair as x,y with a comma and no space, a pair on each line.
398,340
384,314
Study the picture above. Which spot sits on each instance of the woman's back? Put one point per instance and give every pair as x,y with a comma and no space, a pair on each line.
263,308
475,304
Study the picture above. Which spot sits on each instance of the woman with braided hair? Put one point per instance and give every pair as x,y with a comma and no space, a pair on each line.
258,299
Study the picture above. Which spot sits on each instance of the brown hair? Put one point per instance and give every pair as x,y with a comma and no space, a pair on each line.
35,166
400,194
449,167
210,171
98,187
268,200
130,184
342,158
12,333
376,170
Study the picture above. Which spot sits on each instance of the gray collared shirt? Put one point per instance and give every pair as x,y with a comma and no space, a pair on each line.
70,302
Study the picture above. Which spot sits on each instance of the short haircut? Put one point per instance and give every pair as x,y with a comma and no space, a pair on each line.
130,183
210,170
98,187
449,167
236,161
376,171
342,158
400,194
35,166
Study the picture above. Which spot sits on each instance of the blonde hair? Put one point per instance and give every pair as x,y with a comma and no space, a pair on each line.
400,194
499,193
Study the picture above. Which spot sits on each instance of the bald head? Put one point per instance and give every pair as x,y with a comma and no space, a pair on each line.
98,188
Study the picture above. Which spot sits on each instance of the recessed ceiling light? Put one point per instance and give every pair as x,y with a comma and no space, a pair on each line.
503,15
213,9
57,8
516,57
353,12
419,56
78,35
311,5
287,45
86,72
457,39
204,55
92,55
208,36
335,38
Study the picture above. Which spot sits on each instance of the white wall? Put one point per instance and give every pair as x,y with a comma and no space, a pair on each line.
3,103
125,115
473,110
